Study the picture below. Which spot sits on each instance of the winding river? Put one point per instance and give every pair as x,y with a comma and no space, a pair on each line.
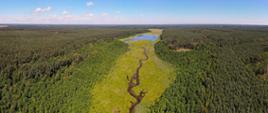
147,78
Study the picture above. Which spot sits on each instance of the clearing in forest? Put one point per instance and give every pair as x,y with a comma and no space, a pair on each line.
136,81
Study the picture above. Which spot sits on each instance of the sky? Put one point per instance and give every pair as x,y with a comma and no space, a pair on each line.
134,12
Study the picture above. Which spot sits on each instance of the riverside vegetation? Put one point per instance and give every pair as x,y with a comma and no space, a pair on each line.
111,95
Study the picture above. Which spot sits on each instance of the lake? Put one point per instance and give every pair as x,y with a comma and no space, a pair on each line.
145,37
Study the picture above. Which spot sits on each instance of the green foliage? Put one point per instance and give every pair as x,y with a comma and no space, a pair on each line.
42,70
183,38
217,76
72,93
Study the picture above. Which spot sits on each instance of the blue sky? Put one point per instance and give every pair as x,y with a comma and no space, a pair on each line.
134,11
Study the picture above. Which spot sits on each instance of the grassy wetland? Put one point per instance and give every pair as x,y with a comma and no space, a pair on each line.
111,94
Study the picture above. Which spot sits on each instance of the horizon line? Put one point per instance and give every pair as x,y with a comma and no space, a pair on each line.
133,24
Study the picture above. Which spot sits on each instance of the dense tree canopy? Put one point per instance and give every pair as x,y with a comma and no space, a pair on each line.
224,73
42,70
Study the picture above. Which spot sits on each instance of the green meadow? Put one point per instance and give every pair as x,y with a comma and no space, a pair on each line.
110,94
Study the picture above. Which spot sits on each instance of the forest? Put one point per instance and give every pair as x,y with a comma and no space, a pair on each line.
38,69
190,69
133,56
225,71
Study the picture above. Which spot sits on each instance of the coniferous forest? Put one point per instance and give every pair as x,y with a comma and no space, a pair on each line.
188,69
44,70
224,72
133,56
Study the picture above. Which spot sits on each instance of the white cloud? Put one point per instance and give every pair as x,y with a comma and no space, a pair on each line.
89,14
66,17
65,12
89,4
42,10
87,18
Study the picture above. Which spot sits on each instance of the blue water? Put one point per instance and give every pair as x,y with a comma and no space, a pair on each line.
145,37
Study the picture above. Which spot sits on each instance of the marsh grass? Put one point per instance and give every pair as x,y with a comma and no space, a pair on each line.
110,95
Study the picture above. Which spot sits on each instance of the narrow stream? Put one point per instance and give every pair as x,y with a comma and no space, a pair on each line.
134,82
147,78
